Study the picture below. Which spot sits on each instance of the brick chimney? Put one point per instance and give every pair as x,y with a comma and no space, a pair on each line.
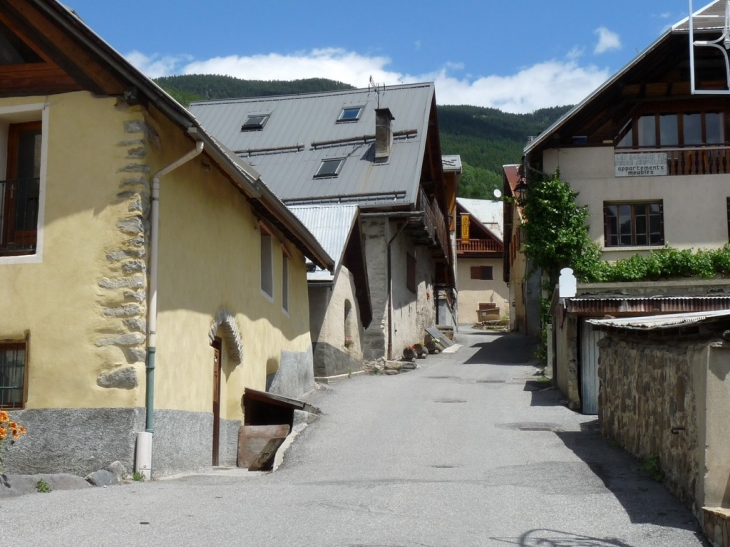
383,133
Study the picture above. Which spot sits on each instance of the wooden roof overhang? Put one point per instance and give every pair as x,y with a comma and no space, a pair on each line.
660,75
74,58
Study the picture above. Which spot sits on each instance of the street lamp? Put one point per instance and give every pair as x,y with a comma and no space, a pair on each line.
521,189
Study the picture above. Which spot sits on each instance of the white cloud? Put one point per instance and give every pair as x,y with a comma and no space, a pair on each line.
607,40
156,65
551,83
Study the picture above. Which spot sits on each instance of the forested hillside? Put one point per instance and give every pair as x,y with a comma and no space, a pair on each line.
485,138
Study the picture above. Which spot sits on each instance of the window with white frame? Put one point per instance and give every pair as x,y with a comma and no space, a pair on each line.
21,189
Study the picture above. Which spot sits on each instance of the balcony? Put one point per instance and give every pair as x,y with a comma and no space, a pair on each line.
710,160
18,216
478,247
430,228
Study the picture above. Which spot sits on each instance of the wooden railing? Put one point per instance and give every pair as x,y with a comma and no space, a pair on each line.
478,246
711,160
434,223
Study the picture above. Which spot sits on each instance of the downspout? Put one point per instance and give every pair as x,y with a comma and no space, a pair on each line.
152,303
390,293
152,311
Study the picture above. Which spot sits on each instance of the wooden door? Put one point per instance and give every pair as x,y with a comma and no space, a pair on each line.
216,398
22,187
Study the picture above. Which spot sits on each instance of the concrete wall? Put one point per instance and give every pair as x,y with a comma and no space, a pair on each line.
590,171
472,292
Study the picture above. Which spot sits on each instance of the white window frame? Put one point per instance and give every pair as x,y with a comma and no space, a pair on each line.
270,273
19,114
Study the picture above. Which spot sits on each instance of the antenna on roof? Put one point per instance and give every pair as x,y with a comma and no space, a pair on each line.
722,43
372,85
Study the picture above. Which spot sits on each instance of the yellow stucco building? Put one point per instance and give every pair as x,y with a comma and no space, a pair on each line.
206,282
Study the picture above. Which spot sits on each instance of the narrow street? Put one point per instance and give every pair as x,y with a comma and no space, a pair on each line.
467,450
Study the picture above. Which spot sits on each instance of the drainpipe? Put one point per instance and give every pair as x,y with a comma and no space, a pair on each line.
145,465
390,293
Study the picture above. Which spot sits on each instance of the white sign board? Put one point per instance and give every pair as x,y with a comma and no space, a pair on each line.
650,164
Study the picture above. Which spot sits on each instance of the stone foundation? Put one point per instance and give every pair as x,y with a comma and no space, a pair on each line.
81,441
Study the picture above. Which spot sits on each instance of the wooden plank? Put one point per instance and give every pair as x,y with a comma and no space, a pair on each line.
265,461
252,439
62,48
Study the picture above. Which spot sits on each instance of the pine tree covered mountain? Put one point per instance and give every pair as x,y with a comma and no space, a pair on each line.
485,138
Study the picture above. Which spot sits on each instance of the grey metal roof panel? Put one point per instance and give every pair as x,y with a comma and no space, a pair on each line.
298,121
658,322
709,17
331,225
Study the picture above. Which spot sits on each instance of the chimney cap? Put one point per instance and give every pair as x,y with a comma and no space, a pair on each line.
384,111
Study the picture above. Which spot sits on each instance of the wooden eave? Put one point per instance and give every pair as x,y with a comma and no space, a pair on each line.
662,76
68,65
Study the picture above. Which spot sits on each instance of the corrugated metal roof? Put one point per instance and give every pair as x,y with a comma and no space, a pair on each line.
331,225
646,304
658,322
287,155
488,212
710,17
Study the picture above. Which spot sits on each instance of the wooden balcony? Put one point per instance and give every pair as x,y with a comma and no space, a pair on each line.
430,228
478,247
710,160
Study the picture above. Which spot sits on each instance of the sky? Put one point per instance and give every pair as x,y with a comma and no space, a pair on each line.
514,55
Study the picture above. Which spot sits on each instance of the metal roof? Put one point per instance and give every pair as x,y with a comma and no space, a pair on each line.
659,322
332,226
300,131
682,27
242,175
646,304
488,212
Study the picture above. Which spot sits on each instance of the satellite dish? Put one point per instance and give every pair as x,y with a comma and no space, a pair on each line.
497,193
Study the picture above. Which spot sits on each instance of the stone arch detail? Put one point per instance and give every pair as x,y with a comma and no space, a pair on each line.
225,320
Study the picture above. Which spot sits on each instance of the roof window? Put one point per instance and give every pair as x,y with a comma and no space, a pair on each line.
255,122
350,114
329,168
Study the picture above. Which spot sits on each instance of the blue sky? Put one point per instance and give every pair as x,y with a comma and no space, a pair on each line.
515,55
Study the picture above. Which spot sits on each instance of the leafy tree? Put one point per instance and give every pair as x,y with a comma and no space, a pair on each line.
555,231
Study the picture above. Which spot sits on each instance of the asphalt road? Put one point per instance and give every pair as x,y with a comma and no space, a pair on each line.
467,450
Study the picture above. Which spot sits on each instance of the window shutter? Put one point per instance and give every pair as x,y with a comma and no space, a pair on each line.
476,272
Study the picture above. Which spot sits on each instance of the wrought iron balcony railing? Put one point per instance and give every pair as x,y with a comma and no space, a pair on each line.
18,216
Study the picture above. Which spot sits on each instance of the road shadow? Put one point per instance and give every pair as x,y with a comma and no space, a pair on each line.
644,499
544,394
505,349
542,537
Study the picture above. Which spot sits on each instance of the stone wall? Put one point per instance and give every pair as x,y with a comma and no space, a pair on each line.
647,391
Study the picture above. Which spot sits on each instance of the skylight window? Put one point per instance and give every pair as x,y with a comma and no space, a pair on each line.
329,168
255,122
350,114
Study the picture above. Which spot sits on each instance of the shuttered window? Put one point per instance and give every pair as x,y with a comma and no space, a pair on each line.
484,273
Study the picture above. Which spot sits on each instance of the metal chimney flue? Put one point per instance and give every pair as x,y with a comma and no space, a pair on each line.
383,133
